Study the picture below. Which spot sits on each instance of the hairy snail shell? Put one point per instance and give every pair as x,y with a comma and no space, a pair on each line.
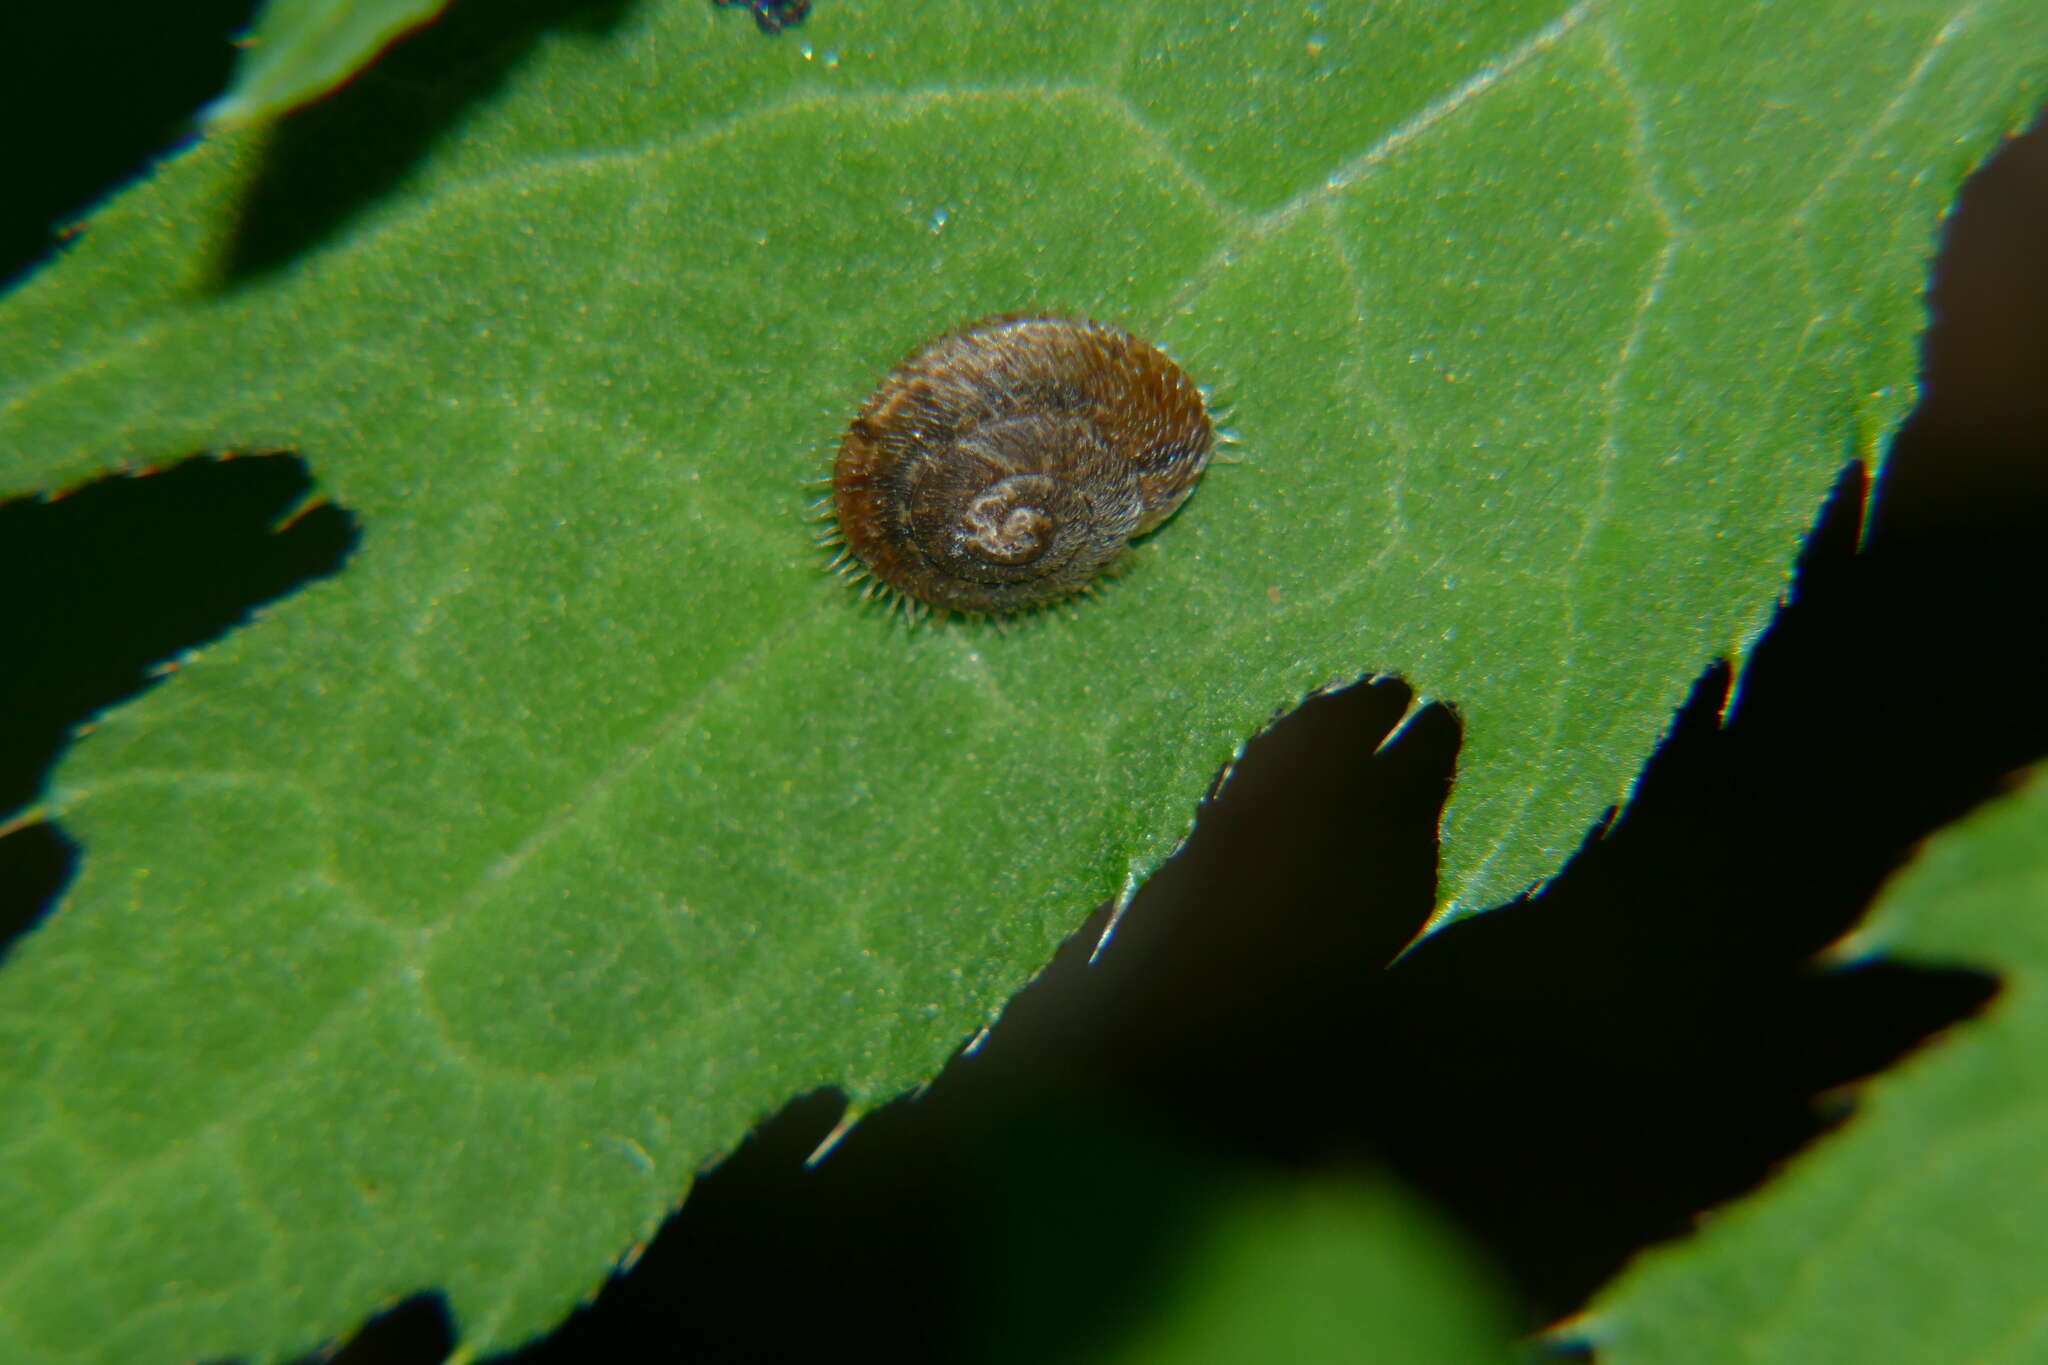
1007,465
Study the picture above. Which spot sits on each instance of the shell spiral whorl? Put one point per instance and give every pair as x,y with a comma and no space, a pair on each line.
1004,466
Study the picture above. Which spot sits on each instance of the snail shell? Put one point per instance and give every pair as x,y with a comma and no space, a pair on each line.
1007,465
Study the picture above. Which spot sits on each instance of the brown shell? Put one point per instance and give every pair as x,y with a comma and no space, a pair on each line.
1006,465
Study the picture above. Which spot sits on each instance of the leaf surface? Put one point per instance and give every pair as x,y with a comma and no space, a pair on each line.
435,929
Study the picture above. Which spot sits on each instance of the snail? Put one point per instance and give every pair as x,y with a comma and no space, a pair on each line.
1008,465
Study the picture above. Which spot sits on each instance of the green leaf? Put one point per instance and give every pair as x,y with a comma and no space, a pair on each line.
435,929
1325,1273
1187,1261
1917,1232
301,49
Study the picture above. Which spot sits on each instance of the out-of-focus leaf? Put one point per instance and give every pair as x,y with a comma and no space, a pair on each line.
1110,1248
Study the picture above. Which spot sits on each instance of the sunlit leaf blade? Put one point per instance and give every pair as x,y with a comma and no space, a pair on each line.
436,928
1918,1232
301,49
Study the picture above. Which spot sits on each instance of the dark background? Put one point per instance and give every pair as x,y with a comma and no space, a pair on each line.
1569,1079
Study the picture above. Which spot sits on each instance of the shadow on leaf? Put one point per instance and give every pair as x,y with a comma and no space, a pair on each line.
327,162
